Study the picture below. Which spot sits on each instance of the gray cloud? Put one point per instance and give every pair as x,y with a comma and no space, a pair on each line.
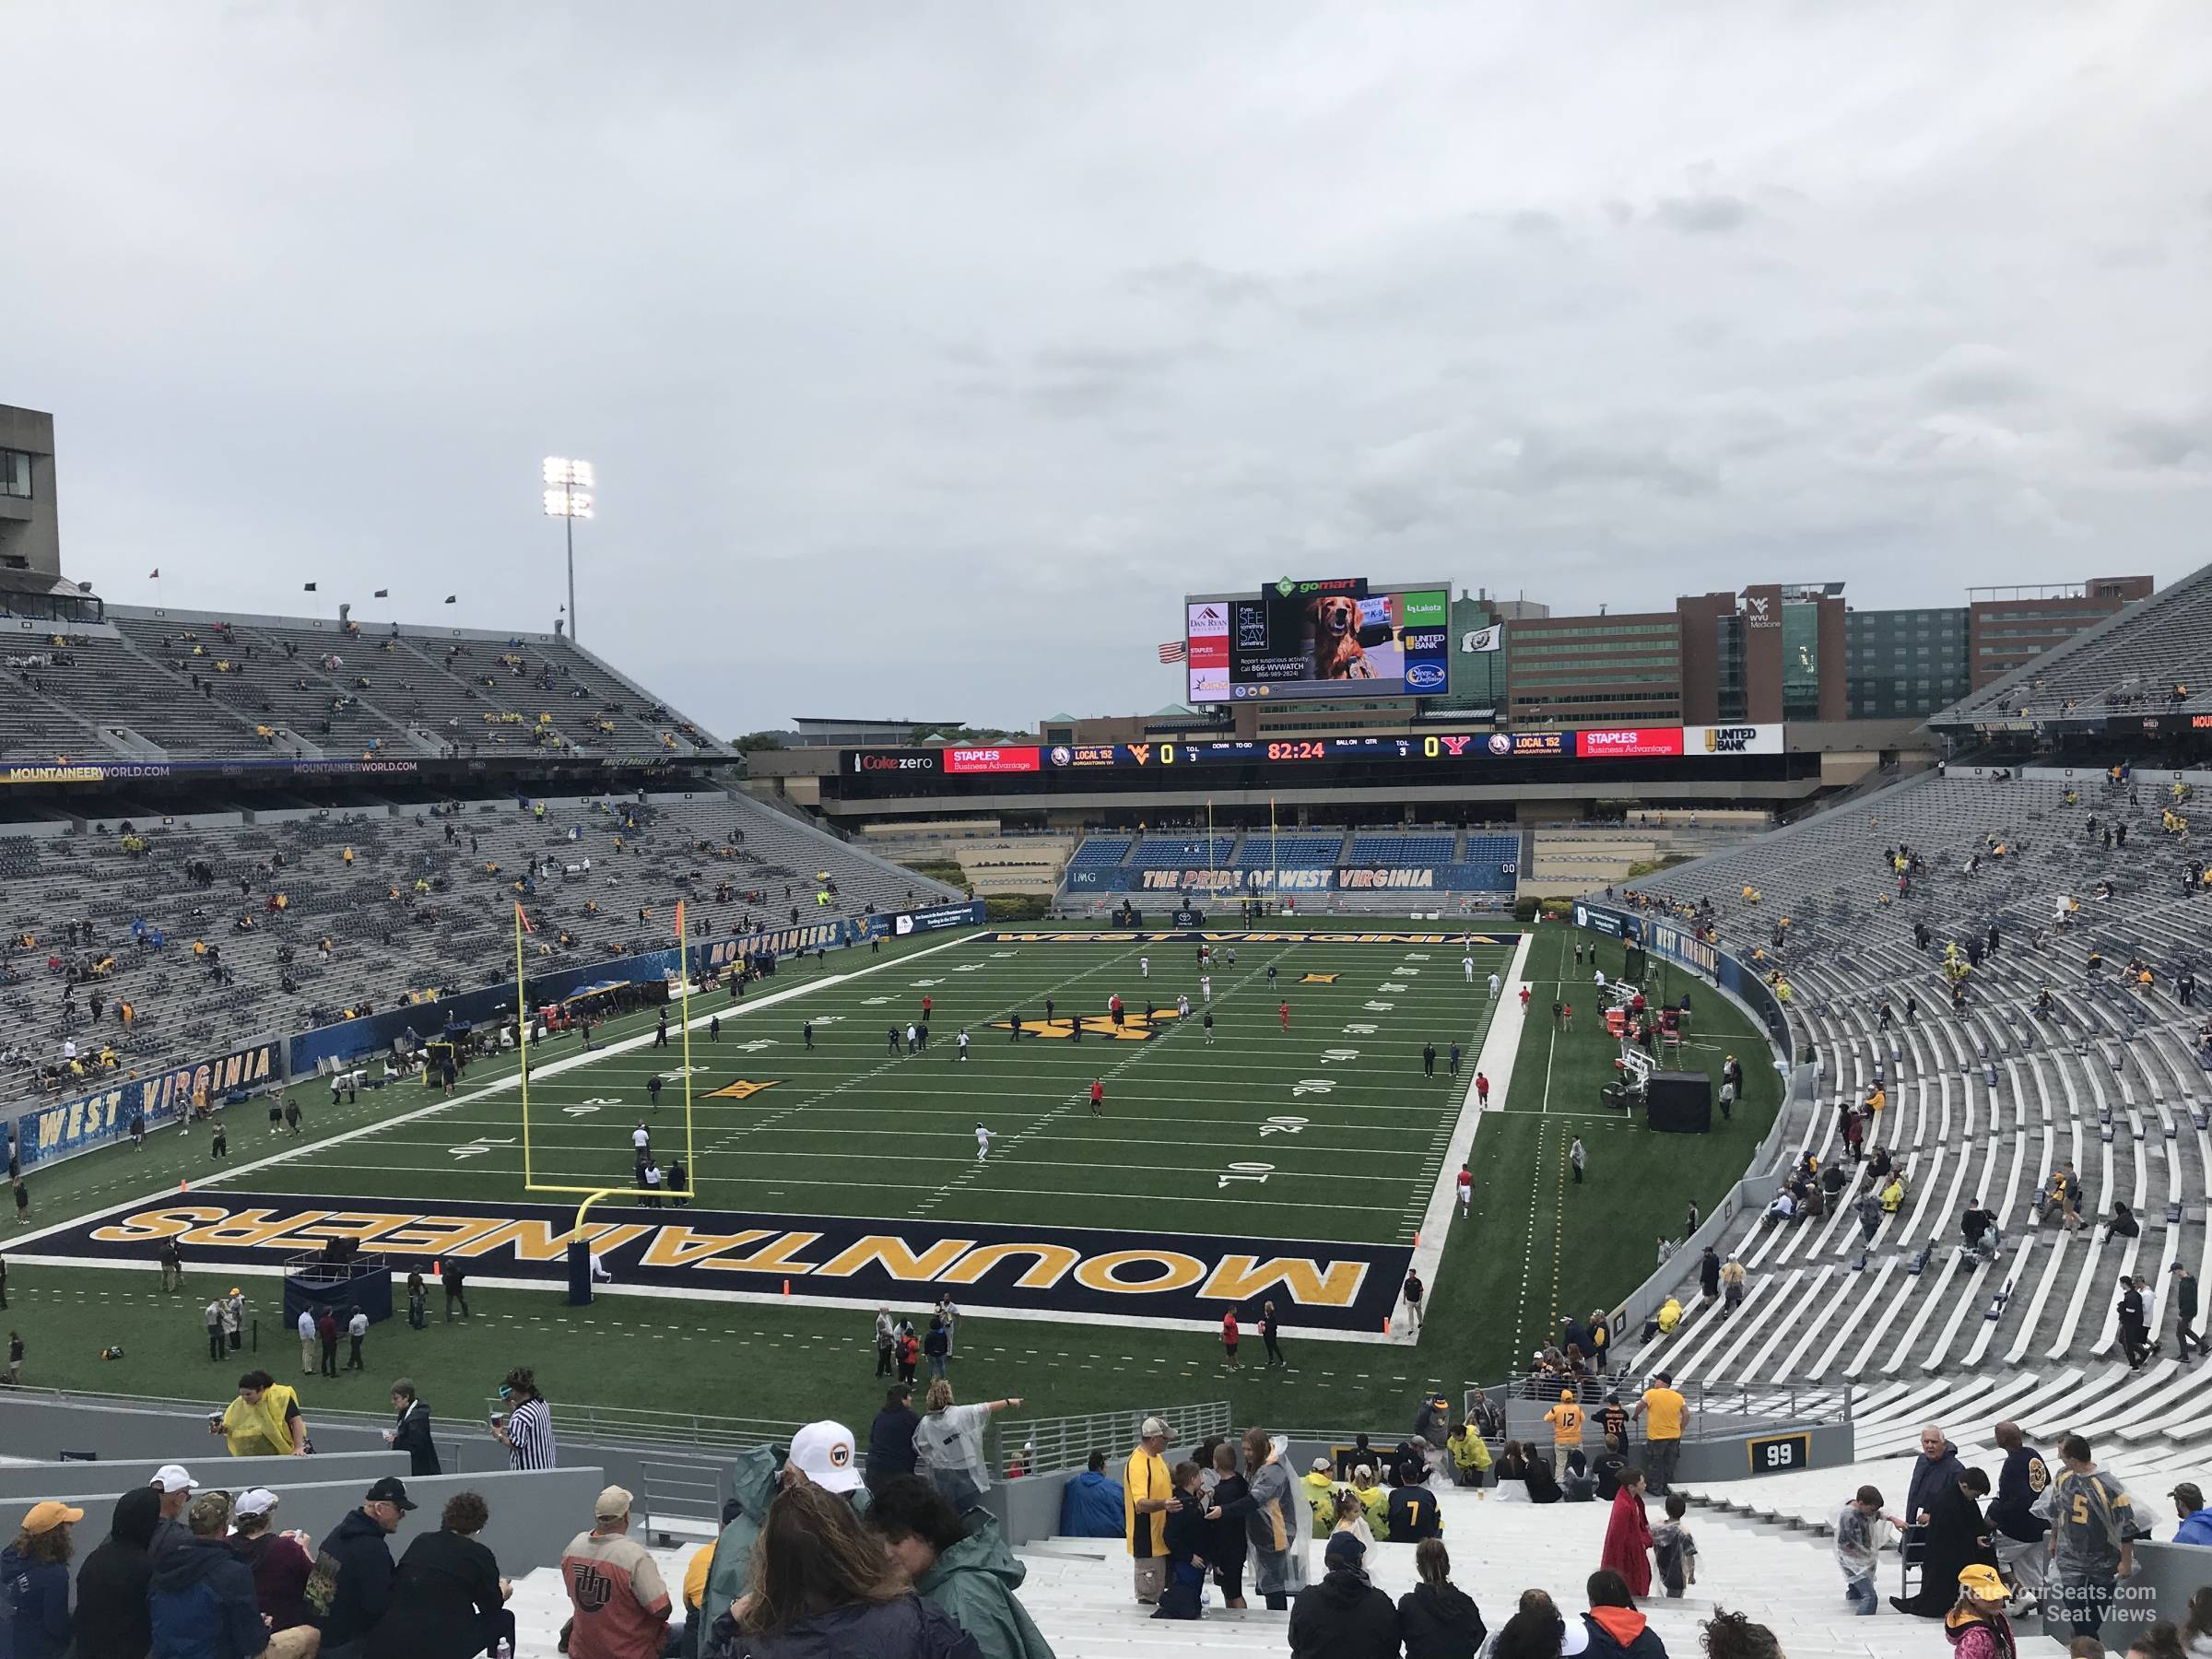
979,336
1706,213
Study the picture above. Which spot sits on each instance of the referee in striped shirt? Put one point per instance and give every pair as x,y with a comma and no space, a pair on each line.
526,1428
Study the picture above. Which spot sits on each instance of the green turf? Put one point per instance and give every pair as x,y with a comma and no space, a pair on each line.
897,1134
1326,1130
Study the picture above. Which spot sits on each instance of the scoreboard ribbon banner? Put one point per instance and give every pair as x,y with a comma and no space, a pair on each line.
1109,1276
1231,880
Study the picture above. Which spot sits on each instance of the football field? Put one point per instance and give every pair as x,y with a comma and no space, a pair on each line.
1270,1124
1324,1146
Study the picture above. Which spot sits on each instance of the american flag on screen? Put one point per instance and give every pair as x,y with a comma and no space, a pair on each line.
1173,651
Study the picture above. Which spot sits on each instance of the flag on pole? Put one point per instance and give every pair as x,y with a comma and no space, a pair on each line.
381,593
153,575
522,917
310,588
1173,651
1483,639
452,599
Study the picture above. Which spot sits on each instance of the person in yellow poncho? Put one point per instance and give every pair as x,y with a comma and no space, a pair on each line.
1470,1456
1320,1498
264,1421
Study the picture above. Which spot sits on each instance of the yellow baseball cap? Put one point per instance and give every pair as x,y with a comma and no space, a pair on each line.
1982,1583
44,1517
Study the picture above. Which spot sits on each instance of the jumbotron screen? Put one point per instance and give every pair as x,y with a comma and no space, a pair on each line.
1298,641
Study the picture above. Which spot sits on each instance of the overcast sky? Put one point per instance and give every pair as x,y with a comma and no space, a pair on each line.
929,352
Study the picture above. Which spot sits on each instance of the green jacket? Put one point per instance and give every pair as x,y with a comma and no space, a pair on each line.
974,1582
753,1483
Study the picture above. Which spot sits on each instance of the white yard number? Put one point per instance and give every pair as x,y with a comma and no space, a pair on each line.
874,1002
1338,1055
1359,1031
972,968
1283,1125
1378,1008
1001,956
1411,972
1391,985
1412,956
477,1149
923,984
1244,1171
757,1044
1306,1086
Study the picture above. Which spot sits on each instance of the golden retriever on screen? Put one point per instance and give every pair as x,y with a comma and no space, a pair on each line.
1333,639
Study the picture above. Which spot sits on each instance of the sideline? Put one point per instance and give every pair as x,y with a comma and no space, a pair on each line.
1501,1046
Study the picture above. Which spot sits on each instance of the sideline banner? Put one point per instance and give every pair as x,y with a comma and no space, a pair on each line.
84,1121
1114,1275
1496,875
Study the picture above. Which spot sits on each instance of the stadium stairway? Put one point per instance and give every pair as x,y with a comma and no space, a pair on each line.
1078,1589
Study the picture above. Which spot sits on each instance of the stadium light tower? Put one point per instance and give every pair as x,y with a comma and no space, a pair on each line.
568,485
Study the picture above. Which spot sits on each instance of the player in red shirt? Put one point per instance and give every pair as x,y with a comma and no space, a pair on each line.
1466,1188
1229,1338
1524,1000
926,1006
1098,1097
1482,1088
1283,1014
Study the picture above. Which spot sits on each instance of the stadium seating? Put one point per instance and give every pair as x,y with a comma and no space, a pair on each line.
153,685
1262,850
1099,849
386,936
1170,851
1368,848
2154,658
1982,1102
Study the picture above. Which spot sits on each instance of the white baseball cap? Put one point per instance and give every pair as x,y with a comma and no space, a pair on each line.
823,1451
174,1477
259,1501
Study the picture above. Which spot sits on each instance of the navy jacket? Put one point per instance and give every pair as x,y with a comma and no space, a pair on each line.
34,1606
357,1556
892,1446
1929,1478
412,1435
202,1604
2019,1484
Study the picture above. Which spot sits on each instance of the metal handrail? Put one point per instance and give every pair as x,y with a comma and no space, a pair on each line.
1056,1445
577,1421
1715,1411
